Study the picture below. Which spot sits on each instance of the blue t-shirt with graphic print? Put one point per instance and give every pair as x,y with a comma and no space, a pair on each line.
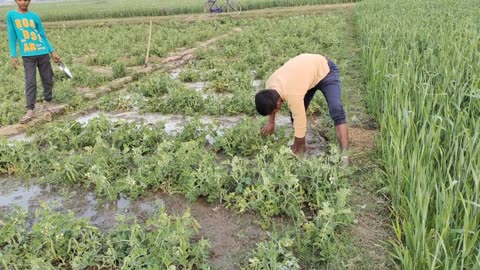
27,29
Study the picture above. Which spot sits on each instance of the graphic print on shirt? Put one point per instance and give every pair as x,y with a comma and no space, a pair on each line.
30,39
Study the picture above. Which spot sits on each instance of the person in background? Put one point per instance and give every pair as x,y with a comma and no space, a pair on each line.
25,28
295,83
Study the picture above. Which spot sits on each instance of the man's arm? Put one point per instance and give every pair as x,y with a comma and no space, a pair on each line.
297,107
269,128
298,146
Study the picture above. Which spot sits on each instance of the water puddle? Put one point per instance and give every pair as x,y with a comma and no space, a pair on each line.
12,193
197,86
19,138
257,84
84,119
174,73
228,233
173,123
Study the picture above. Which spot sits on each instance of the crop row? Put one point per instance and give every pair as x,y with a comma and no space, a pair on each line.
80,10
244,172
421,59
226,69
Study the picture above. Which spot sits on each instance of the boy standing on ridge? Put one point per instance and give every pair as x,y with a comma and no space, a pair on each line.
26,28
296,82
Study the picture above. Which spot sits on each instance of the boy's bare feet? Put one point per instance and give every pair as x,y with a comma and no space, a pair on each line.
27,117
49,107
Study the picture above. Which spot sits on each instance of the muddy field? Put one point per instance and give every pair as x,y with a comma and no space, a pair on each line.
231,234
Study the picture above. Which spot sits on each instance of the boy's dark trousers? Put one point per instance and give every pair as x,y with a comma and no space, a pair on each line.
30,64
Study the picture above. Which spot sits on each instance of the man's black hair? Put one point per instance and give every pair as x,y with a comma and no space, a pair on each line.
266,101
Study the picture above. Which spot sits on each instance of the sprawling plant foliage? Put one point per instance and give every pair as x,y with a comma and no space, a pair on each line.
234,166
131,159
62,241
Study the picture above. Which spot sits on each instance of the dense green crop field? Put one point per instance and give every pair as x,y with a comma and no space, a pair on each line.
422,62
95,9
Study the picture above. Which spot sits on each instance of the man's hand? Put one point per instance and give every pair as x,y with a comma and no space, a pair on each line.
14,62
55,57
268,129
298,146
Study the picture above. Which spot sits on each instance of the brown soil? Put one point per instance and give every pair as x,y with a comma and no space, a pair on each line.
101,70
230,234
373,228
40,116
182,56
361,139
84,58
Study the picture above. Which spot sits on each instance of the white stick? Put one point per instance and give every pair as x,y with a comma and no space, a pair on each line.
149,41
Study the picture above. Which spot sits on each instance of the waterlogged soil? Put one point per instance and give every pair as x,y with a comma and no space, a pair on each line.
316,143
174,123
230,234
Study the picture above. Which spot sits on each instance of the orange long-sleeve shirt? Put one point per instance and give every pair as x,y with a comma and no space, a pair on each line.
293,80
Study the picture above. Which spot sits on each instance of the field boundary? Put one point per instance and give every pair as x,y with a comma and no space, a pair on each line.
267,12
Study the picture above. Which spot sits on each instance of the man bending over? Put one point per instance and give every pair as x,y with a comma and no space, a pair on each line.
295,83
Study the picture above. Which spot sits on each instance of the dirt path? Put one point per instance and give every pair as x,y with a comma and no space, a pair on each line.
267,12
41,116
373,228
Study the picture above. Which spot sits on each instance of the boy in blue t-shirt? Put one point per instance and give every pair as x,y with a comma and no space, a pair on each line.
26,29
